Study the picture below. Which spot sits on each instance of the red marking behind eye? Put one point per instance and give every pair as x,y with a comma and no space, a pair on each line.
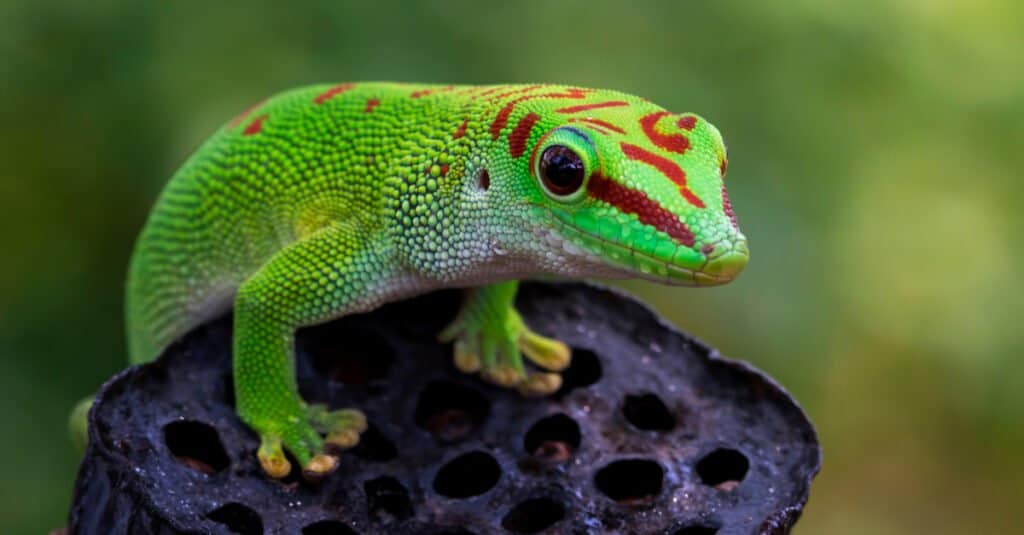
461,130
502,118
332,92
518,138
597,123
723,166
255,126
667,167
687,122
444,169
727,208
677,143
648,211
371,104
596,106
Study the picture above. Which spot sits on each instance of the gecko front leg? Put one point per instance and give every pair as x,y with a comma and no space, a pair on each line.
490,337
319,278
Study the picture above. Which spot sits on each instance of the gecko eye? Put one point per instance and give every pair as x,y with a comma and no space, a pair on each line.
561,170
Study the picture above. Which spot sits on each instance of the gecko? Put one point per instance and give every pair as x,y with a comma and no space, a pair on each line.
334,199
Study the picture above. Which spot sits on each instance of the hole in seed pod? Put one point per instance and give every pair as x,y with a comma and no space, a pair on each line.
328,527
228,390
374,446
723,468
696,530
238,519
631,481
584,370
648,412
196,445
386,497
450,411
467,475
354,357
554,438
533,516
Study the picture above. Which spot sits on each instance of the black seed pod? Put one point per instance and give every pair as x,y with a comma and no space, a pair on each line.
652,432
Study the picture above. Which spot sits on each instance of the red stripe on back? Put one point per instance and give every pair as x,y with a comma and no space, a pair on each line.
667,167
425,92
371,104
256,126
687,122
245,113
461,130
332,92
518,138
677,143
586,107
633,201
597,123
502,118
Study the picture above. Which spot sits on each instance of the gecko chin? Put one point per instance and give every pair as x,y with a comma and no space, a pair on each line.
622,260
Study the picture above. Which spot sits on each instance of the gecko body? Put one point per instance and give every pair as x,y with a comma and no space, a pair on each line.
335,199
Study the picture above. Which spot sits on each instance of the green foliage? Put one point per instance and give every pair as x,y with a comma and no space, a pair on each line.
874,165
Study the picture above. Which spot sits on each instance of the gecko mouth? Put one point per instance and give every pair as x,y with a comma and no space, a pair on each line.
717,270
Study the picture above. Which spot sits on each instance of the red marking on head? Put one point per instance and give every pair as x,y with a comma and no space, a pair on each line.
666,167
687,122
245,113
518,91
723,165
502,118
461,130
444,169
596,106
633,201
332,92
602,126
727,208
677,143
518,138
255,126
371,104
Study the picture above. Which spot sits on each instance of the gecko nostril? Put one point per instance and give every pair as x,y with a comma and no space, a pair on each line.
707,249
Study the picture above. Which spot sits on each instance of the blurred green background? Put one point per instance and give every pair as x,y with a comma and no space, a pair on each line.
875,164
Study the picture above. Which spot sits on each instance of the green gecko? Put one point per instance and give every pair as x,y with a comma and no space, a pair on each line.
334,199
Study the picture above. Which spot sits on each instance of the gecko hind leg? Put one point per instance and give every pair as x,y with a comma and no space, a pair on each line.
491,338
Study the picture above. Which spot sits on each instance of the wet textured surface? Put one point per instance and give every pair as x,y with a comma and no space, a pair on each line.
651,433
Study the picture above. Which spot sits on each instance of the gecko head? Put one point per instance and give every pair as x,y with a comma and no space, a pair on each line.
622,188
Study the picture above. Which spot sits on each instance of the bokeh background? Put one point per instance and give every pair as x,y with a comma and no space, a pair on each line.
875,164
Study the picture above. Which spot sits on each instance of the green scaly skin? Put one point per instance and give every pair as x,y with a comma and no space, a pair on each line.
331,200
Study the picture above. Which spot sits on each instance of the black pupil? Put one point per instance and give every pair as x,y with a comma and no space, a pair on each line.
561,169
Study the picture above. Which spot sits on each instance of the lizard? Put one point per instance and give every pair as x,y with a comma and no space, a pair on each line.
334,199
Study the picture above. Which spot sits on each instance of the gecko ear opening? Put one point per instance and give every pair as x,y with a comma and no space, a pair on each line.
483,179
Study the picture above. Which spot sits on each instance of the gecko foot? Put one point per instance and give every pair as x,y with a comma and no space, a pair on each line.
302,438
493,344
